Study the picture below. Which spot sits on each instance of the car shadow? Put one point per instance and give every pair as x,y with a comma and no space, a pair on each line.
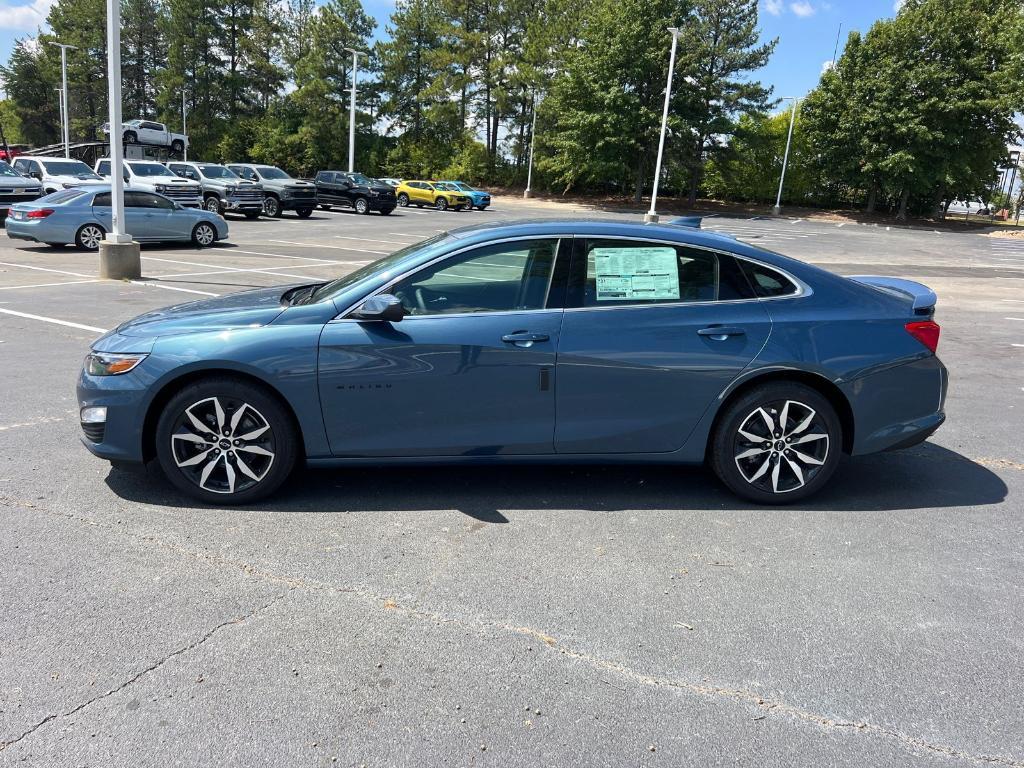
925,477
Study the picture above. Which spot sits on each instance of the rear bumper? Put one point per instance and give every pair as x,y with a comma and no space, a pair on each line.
898,407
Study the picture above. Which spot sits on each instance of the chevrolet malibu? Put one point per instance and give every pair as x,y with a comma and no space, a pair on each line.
82,216
559,341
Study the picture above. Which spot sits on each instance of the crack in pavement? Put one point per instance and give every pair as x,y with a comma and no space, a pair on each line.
479,626
143,673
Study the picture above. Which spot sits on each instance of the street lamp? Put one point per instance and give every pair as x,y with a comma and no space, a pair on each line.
184,127
785,158
64,101
533,136
352,110
60,112
652,215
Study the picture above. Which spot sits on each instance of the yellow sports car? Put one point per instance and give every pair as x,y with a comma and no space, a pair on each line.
439,195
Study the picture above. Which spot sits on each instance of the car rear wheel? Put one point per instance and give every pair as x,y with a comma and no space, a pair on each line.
362,205
226,441
212,204
441,204
304,213
177,147
89,237
130,137
403,200
203,234
777,444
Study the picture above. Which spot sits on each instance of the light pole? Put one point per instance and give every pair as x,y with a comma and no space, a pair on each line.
652,215
352,111
533,135
785,158
60,112
119,254
64,100
184,126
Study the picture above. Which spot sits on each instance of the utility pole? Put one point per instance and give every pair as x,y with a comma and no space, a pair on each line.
533,136
352,111
64,100
785,158
652,215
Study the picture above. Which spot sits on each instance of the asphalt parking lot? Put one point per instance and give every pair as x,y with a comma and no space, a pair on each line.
513,616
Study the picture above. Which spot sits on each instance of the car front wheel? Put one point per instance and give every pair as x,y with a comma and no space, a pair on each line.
304,213
226,441
212,204
204,235
271,206
89,237
777,444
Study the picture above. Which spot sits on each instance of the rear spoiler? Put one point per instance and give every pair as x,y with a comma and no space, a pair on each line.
923,298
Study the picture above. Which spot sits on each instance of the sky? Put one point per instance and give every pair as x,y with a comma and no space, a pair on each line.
806,30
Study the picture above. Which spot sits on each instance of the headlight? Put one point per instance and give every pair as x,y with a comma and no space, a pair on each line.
33,191
160,188
229,190
110,364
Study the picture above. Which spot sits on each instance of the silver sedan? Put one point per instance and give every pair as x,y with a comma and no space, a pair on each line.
82,216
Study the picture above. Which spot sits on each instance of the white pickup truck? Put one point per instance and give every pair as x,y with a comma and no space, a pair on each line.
148,132
150,176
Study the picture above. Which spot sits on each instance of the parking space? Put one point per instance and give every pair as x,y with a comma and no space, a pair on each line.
511,615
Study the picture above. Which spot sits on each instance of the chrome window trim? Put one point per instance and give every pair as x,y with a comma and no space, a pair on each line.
341,316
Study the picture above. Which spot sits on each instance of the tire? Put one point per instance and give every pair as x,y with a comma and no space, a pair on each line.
204,234
212,204
177,147
481,207
267,447
304,213
441,204
325,207
252,214
88,237
386,211
741,439
130,137
56,245
403,200
272,206
362,206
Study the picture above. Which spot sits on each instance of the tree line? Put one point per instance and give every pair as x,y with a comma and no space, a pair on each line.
917,110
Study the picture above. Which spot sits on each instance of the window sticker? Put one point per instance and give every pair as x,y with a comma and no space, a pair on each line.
636,273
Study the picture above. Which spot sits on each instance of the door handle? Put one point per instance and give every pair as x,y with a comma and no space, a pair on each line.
721,332
524,338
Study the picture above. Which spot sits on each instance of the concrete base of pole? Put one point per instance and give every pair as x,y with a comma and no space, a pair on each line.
650,218
120,261
527,194
776,210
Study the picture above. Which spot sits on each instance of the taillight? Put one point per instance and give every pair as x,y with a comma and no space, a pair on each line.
42,213
926,332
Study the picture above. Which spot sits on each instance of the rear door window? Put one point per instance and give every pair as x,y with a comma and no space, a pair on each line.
632,272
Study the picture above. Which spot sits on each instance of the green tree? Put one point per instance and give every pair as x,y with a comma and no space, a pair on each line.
29,79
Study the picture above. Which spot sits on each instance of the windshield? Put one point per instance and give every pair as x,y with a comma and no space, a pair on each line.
463,187
446,187
69,168
270,172
335,287
6,170
150,169
217,172
61,196
358,178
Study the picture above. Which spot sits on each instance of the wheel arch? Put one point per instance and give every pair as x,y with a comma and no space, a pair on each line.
171,387
827,389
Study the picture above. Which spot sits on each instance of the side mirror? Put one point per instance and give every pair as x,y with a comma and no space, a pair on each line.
383,307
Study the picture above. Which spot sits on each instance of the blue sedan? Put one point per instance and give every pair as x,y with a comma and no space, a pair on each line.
564,341
81,216
478,198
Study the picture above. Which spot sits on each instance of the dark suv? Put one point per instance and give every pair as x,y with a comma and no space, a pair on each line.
353,190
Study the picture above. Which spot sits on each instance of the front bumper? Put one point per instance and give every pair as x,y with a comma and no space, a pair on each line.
382,202
234,203
290,203
124,397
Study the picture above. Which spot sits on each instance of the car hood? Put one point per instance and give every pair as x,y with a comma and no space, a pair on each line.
77,179
382,188
18,182
296,183
247,309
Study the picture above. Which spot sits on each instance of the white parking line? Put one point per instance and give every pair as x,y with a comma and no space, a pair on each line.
222,270
53,320
268,270
46,285
152,283
371,240
411,234
1015,301
45,269
324,245
278,255
1018,319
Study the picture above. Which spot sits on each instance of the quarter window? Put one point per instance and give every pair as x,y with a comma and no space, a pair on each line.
629,272
496,278
767,283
